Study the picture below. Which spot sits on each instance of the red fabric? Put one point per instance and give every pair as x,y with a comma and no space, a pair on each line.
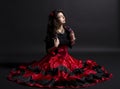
53,60
61,58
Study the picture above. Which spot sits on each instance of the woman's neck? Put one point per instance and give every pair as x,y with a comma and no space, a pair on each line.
60,29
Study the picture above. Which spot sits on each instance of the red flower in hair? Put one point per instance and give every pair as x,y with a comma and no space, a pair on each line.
51,14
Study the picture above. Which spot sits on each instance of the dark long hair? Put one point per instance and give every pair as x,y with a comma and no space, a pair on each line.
53,22
52,26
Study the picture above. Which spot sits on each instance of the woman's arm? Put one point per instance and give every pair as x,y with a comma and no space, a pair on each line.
56,44
72,37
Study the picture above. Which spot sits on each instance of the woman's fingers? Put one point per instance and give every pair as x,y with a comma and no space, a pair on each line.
72,35
56,41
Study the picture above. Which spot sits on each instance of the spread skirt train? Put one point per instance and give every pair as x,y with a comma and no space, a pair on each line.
60,70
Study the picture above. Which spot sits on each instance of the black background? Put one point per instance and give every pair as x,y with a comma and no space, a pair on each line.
95,23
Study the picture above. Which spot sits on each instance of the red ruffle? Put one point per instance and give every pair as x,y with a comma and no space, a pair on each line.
52,61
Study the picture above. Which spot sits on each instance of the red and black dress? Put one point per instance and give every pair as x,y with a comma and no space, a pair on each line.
59,69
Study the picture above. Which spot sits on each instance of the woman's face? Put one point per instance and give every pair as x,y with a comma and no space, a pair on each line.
61,18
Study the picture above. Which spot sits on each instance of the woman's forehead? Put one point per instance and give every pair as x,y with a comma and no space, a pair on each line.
60,14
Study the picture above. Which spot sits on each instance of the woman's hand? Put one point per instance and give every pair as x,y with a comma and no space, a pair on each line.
72,36
56,42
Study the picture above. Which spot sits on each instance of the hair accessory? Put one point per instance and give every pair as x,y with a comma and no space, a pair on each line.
51,14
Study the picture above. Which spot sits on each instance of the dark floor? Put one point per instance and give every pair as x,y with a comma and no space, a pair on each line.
111,61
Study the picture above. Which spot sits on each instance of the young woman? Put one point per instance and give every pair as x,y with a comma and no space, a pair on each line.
58,68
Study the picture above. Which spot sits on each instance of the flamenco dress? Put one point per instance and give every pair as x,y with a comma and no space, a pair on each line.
58,69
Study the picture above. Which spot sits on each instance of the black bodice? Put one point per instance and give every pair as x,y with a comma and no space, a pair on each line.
63,38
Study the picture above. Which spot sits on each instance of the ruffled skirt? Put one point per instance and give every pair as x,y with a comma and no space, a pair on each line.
60,70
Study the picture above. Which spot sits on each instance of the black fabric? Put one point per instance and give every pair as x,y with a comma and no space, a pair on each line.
78,82
49,42
64,39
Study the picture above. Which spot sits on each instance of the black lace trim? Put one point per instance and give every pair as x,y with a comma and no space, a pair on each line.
78,82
